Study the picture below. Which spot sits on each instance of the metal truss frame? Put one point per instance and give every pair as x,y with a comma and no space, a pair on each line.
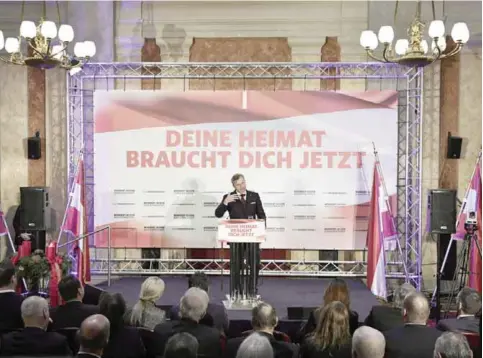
407,81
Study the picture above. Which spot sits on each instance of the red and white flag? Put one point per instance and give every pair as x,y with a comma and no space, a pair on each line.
75,224
472,204
381,230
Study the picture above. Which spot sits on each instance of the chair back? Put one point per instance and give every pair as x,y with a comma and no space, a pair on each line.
72,337
474,341
150,340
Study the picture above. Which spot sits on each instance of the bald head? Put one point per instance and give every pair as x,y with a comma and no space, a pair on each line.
368,343
416,308
94,334
264,317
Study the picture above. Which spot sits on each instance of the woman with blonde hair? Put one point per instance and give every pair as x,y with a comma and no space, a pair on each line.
145,313
337,291
331,337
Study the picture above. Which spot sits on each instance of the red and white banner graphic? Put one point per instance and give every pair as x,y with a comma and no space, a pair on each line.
163,162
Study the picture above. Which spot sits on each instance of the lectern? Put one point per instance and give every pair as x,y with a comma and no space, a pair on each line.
244,237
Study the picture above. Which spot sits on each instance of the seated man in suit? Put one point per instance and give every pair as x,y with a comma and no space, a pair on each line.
181,345
215,311
452,345
415,339
93,336
264,321
469,303
385,317
33,340
73,312
192,308
368,343
10,301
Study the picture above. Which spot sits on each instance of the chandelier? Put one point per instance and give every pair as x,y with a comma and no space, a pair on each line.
44,46
415,52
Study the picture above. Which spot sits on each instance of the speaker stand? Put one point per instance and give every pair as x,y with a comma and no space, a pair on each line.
38,240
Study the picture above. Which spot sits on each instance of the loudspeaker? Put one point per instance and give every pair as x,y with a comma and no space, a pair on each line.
35,211
442,204
454,147
34,150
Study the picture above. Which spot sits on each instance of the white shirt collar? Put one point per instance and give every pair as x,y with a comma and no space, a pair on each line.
7,291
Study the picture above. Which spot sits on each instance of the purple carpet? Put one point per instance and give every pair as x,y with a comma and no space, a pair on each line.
279,292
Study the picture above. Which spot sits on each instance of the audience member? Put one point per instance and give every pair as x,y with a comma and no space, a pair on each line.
93,336
124,342
181,345
264,321
255,346
469,303
385,317
73,312
337,291
452,345
331,337
215,312
33,340
414,339
10,302
145,313
193,306
368,343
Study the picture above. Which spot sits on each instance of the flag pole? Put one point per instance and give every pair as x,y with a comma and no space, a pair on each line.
69,199
386,199
12,245
463,207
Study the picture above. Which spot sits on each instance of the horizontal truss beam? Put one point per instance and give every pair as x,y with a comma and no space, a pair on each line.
251,70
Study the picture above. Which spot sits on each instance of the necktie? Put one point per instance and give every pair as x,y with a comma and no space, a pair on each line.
243,199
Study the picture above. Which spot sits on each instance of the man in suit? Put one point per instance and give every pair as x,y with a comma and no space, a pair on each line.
242,204
469,303
415,339
33,340
368,343
93,336
192,308
385,317
217,312
73,312
452,345
10,301
264,321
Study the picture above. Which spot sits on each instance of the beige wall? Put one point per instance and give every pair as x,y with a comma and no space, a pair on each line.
175,24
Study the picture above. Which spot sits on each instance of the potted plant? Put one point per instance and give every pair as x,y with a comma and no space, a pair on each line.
35,270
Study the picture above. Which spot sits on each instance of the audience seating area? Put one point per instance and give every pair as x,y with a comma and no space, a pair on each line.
196,328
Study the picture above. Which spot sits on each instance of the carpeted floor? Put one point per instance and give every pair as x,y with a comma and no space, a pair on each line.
279,292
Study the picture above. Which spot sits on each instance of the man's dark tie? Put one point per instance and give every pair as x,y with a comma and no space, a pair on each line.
243,199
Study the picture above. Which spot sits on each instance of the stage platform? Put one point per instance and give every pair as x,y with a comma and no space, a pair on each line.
279,292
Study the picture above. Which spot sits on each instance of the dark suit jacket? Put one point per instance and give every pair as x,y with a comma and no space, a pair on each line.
411,341
209,338
384,318
311,324
309,350
34,342
85,355
216,311
237,210
71,314
10,315
125,342
461,324
280,349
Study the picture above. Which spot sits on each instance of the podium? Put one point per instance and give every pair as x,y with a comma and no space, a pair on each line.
244,237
